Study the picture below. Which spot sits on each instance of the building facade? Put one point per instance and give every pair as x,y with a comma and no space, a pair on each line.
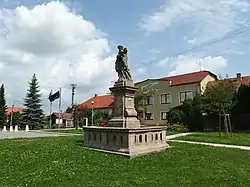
170,92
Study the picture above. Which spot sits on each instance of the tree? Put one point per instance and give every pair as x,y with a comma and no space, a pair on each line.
69,109
218,97
141,96
99,116
243,100
33,114
3,107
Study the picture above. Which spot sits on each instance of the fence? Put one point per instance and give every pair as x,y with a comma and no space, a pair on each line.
239,122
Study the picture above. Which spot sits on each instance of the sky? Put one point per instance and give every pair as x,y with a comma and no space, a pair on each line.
75,41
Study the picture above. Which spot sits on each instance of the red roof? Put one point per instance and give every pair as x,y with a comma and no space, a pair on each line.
15,109
188,78
244,80
103,101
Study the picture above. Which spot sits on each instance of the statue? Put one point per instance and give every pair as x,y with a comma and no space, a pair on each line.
121,64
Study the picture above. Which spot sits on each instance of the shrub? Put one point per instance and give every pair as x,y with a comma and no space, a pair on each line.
178,127
175,116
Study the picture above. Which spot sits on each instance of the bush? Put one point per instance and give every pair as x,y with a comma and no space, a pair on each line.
175,116
178,127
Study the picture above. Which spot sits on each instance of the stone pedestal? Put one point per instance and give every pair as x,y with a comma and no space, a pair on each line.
124,135
11,128
16,128
4,128
124,141
124,113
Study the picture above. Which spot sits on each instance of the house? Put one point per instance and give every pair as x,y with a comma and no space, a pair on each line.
66,119
240,80
11,109
171,92
103,103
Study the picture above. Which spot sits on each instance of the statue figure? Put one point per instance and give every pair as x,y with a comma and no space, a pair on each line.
121,64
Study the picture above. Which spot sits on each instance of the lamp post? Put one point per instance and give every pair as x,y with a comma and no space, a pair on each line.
92,113
11,116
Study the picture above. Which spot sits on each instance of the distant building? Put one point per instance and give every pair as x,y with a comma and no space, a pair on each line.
15,109
103,103
66,120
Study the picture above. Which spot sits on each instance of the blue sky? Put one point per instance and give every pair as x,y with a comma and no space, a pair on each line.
157,34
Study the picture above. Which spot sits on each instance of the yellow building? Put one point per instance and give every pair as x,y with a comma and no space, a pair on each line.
171,92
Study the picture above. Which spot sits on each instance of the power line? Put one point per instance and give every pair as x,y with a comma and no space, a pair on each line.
212,41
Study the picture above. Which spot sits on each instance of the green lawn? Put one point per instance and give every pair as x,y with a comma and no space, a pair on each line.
73,131
62,161
213,137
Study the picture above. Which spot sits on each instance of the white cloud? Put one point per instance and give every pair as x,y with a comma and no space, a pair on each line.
59,46
186,64
209,18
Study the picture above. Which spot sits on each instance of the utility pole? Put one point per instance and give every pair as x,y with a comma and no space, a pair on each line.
73,87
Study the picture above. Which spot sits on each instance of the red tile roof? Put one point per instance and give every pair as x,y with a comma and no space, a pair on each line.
15,109
103,101
188,78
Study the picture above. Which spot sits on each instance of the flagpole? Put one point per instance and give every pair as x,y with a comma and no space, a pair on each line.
60,102
50,111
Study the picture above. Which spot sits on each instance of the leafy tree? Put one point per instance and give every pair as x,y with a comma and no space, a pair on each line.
16,119
33,114
3,107
141,96
175,116
218,97
243,100
69,109
99,116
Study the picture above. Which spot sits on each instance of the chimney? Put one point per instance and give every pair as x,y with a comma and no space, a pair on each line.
238,77
95,95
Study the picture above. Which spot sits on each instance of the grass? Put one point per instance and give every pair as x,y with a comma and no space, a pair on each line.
62,161
213,137
73,131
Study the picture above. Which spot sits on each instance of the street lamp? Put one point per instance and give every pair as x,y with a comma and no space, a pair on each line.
11,116
92,116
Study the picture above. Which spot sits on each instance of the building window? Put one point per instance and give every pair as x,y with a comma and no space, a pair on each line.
185,95
163,115
165,98
149,100
149,116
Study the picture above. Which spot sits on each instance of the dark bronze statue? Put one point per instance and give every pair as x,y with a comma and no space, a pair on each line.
121,64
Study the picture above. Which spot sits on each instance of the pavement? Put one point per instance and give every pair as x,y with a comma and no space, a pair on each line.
214,144
168,137
32,134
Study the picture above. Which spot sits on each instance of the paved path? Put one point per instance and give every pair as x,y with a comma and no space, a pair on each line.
214,144
31,134
168,137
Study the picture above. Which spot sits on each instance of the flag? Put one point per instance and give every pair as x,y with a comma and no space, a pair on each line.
53,97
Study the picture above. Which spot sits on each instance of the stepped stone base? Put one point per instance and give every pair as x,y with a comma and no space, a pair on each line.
129,142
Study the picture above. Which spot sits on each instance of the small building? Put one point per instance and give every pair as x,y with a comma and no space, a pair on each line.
103,103
11,109
66,120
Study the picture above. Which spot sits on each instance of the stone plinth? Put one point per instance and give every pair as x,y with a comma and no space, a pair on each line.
124,134
128,142
124,113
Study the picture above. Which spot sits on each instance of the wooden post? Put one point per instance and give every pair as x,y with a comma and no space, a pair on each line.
230,125
219,124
